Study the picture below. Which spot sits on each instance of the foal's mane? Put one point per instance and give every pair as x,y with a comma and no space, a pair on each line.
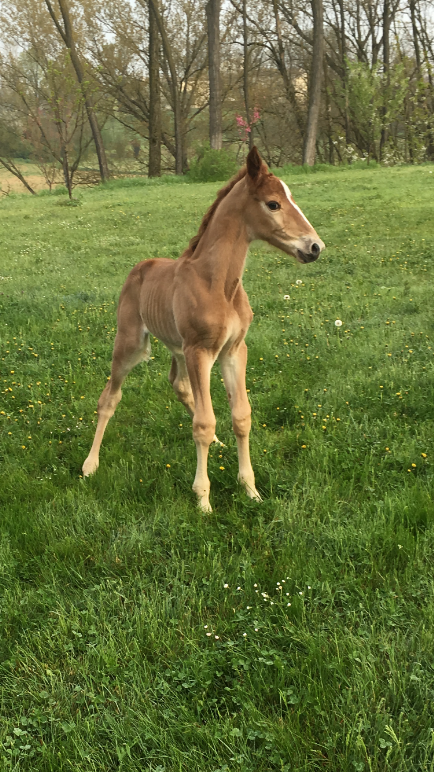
222,193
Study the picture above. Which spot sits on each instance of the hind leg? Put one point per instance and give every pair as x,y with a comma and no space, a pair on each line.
180,381
132,346
178,377
233,367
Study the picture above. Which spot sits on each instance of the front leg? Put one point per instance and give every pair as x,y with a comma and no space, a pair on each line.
199,363
233,367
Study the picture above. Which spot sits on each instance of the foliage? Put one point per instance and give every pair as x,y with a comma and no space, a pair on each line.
375,100
137,634
212,165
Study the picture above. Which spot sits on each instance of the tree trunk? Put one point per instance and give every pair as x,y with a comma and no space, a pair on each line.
68,38
415,35
174,88
154,98
386,62
215,92
246,74
329,115
343,43
315,84
66,172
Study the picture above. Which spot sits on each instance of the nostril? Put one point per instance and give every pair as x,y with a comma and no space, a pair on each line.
315,249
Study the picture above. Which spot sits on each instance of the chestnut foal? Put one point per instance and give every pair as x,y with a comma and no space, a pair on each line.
198,307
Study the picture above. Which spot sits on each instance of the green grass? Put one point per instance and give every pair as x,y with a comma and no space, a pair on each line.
137,634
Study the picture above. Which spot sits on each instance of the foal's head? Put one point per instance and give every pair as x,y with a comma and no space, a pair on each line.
272,215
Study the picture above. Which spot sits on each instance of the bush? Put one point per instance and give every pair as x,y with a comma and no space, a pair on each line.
212,166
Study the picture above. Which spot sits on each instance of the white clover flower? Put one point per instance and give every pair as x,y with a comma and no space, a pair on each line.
226,586
205,627
299,281
256,629
286,297
244,635
209,634
255,585
338,323
288,604
216,637
309,587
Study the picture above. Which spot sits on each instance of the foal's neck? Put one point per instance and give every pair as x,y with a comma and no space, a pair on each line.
222,250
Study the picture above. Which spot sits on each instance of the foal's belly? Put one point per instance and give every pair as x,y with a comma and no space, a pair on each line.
156,302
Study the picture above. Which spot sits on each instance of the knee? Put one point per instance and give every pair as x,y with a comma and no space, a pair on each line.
183,390
203,431
241,423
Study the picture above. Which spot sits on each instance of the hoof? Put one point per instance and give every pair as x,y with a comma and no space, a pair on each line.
205,507
250,490
203,501
90,466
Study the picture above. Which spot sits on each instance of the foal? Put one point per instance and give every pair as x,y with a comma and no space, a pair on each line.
198,307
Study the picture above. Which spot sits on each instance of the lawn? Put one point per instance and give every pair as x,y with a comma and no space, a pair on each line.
138,634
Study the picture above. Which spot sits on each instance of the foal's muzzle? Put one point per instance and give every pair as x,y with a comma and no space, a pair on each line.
312,251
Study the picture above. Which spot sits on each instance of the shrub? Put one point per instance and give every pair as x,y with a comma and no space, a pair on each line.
212,166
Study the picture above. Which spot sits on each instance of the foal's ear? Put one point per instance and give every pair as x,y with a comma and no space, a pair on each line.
254,164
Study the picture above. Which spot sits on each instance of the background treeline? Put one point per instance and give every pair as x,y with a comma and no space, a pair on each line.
94,88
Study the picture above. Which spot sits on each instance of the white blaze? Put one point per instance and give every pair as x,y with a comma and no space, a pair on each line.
292,202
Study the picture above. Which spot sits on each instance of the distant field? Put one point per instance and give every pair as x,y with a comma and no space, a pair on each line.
10,183
295,635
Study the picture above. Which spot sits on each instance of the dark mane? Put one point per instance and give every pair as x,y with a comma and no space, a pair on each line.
207,217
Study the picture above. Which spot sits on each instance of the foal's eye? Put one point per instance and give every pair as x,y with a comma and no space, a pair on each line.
273,205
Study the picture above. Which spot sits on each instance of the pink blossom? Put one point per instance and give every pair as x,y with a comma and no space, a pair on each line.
244,127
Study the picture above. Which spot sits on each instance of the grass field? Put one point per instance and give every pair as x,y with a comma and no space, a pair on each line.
138,634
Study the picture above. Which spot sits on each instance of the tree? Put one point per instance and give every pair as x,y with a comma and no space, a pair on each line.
316,73
176,105
154,169
215,91
67,35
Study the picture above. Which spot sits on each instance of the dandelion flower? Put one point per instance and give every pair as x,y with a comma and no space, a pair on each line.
338,323
423,455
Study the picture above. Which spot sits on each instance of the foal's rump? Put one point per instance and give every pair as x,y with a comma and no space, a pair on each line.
148,294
